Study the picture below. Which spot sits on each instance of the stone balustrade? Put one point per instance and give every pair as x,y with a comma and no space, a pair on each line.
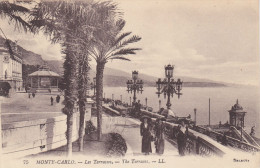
31,137
235,143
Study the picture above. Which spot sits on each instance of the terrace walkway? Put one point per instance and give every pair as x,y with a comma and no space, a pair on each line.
22,108
130,130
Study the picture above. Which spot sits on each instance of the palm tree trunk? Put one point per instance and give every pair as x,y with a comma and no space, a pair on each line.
81,125
82,82
70,76
69,134
99,94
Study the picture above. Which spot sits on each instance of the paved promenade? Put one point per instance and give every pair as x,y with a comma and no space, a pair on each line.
129,128
22,108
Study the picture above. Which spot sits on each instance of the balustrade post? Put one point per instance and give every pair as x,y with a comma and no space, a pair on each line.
197,146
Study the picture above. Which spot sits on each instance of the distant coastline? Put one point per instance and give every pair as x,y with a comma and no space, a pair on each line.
150,84
112,77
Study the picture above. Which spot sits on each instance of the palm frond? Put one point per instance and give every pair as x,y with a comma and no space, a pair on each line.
120,24
121,37
6,7
121,58
133,39
14,12
20,23
125,51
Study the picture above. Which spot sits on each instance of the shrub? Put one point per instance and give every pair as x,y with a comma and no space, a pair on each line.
117,145
89,127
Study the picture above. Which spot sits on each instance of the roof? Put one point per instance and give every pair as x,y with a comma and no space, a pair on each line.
44,73
237,108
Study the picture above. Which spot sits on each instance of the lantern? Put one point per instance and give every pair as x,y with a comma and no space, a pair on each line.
169,71
135,75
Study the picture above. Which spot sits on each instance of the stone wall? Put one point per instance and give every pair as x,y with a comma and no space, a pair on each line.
32,137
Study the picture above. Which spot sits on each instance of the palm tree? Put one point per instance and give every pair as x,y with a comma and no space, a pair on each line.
109,44
64,22
59,20
83,81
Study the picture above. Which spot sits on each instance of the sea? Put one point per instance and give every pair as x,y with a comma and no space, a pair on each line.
221,101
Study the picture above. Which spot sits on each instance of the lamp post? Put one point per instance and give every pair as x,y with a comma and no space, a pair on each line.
160,104
168,86
121,98
241,129
130,100
134,85
93,85
146,102
195,116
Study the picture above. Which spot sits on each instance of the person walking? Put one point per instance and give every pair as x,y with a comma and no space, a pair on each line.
159,135
58,98
145,131
182,138
137,108
51,101
224,139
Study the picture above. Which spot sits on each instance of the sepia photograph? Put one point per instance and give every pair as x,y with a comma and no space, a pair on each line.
129,83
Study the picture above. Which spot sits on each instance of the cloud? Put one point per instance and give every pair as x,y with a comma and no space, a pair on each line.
213,39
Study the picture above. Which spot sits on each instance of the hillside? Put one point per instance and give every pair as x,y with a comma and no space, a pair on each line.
28,57
112,77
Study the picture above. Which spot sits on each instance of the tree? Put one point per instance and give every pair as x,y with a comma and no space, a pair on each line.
64,22
103,21
60,21
109,44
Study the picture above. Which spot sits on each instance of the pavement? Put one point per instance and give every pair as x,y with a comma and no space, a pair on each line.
22,108
129,128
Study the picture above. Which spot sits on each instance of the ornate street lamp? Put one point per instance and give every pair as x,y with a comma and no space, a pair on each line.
134,85
168,86
93,85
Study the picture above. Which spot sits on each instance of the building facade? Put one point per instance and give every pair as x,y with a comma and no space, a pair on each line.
10,68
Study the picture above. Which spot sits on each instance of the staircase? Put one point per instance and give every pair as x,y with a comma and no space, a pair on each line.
245,136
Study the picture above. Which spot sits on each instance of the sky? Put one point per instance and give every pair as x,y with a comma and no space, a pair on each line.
211,39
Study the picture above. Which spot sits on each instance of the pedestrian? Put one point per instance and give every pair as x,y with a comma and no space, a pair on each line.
252,133
224,140
29,95
137,108
58,98
159,135
33,94
146,133
51,101
182,132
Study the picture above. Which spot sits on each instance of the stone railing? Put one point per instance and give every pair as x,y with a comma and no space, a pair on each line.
235,143
31,137
200,141
197,143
